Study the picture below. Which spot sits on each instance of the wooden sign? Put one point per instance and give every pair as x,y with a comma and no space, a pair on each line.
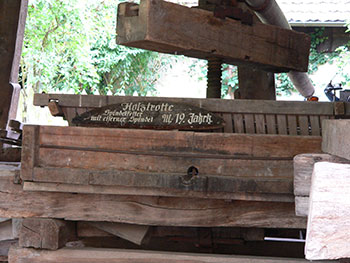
150,115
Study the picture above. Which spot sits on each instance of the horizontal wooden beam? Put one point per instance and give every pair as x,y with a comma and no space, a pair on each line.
144,191
96,255
170,28
214,105
199,183
143,210
173,143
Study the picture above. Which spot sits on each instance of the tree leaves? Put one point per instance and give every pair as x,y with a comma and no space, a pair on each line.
70,46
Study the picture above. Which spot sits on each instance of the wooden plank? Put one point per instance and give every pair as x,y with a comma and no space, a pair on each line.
292,124
282,124
238,123
329,212
177,164
315,125
271,124
166,211
144,191
13,16
249,123
30,148
335,139
303,167
228,128
144,31
170,181
132,233
260,123
96,255
169,142
303,124
214,105
46,233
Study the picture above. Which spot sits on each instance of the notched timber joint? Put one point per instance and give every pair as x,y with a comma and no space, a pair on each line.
129,9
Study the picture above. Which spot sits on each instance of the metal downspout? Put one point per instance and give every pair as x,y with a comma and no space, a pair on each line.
270,13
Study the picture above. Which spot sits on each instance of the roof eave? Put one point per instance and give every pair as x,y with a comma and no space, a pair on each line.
318,24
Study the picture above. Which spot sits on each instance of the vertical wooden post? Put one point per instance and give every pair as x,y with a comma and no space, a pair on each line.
255,84
13,15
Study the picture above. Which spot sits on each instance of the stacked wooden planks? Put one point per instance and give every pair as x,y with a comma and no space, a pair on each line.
157,163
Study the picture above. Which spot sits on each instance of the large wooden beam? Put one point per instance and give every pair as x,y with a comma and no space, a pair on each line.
336,137
12,16
95,255
166,27
16,203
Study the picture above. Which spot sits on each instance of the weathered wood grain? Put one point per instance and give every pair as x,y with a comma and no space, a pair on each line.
206,144
315,125
303,168
45,233
95,255
30,148
214,184
303,124
14,202
328,221
149,191
157,163
165,27
335,137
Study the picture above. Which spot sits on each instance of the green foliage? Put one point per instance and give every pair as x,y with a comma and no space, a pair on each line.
70,46
229,80
316,59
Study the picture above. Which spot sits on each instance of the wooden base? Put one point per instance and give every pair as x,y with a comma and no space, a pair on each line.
14,202
95,255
